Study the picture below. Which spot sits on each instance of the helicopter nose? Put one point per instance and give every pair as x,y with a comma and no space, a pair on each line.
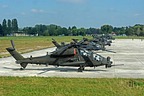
108,58
108,62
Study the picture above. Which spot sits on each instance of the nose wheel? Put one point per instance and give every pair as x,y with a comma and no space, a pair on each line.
108,62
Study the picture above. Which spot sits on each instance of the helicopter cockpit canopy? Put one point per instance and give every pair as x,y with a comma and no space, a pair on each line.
94,56
84,52
67,52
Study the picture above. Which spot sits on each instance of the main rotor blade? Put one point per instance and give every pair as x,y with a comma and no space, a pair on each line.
118,65
75,40
110,51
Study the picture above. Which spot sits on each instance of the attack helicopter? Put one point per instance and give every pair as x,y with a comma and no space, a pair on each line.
69,55
92,45
88,45
104,39
85,44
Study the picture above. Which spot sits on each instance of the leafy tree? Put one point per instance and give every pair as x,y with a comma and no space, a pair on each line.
46,33
1,30
9,26
92,31
4,27
52,30
25,30
74,31
70,31
129,31
106,29
82,31
64,31
119,30
142,31
40,29
30,30
14,25
138,29
122,30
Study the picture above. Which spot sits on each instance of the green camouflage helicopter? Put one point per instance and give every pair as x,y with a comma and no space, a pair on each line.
85,44
69,55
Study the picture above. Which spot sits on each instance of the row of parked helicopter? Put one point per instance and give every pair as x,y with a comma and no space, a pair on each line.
77,54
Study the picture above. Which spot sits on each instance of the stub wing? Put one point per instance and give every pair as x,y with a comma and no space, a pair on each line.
76,64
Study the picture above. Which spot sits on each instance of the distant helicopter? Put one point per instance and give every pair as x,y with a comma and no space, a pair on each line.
88,45
104,39
92,45
85,44
69,55
82,44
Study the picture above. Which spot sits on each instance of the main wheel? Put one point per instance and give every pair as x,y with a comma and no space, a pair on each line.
80,70
21,68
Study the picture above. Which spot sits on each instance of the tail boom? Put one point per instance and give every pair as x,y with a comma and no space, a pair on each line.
17,56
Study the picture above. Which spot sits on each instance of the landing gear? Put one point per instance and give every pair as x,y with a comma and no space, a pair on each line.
108,66
47,64
22,68
81,68
109,44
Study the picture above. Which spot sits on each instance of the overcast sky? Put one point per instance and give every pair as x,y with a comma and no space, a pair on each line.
81,13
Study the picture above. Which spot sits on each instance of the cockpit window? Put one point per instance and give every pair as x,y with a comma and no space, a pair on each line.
85,52
97,57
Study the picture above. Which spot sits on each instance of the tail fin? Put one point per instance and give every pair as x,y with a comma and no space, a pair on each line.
15,54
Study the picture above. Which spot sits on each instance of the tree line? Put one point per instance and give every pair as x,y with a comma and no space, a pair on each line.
9,27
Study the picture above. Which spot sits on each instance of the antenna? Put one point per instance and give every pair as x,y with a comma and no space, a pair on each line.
53,39
13,45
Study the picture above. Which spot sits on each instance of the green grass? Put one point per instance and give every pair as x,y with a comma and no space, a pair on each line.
129,37
42,86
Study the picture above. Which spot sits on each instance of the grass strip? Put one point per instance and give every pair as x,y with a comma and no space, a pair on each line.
53,86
